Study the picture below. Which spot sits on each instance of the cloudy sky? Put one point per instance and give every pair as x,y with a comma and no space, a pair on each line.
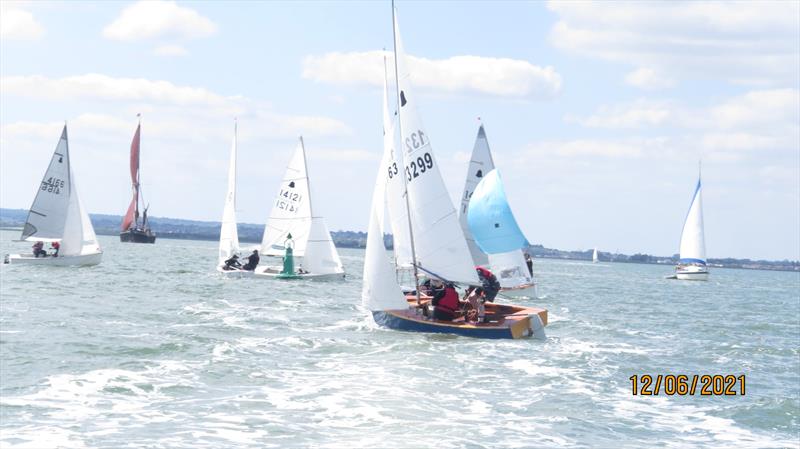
597,113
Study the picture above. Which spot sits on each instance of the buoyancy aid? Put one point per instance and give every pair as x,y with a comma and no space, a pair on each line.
449,301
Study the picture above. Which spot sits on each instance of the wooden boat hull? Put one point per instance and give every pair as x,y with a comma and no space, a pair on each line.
60,261
507,322
137,236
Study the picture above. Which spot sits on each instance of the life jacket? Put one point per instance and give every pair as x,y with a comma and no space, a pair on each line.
449,301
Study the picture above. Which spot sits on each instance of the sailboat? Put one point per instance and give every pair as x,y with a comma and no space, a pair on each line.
132,229
229,234
513,282
498,235
595,259
295,234
692,262
57,215
437,245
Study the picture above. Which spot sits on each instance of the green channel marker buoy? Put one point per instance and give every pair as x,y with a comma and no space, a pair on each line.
288,258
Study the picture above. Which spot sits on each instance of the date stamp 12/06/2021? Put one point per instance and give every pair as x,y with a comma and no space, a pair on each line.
687,384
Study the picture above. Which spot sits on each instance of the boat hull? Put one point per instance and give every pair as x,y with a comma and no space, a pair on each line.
137,236
60,261
275,273
511,322
235,273
691,273
523,291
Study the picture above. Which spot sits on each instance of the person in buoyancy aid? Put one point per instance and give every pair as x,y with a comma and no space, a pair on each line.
252,261
232,263
445,301
490,286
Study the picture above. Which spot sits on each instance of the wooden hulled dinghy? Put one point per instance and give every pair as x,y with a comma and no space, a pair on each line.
504,321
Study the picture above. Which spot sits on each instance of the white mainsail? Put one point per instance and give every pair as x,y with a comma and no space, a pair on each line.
395,188
48,213
291,211
439,243
480,164
693,244
594,255
229,234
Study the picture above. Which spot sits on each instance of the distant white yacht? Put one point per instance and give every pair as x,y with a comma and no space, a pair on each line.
692,263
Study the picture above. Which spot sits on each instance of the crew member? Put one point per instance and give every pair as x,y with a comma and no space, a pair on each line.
252,261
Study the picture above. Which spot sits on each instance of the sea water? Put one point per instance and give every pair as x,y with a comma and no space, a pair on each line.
154,349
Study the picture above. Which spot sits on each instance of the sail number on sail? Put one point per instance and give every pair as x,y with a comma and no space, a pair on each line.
291,202
419,166
53,185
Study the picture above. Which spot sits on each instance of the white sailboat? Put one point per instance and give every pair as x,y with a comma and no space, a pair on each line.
498,235
438,248
57,215
595,259
513,282
295,234
229,233
692,263
480,163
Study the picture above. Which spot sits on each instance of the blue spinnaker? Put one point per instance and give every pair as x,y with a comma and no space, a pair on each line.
490,219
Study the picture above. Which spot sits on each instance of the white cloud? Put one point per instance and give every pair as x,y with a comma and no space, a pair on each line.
648,79
170,50
754,41
477,74
154,19
631,115
18,24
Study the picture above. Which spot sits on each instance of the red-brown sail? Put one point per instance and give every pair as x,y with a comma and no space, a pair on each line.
133,209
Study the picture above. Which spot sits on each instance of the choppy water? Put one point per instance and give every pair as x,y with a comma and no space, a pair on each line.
152,349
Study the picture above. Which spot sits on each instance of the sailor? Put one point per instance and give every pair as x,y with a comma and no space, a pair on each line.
529,263
38,249
232,263
445,301
56,246
252,261
489,284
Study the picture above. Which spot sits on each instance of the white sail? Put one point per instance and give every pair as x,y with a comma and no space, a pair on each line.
321,256
291,210
480,164
510,269
693,244
48,213
440,247
229,234
594,255
379,290
79,237
395,200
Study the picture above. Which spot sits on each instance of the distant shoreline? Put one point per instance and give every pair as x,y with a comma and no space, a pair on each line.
179,229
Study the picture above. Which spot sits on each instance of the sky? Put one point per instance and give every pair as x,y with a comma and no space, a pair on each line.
597,113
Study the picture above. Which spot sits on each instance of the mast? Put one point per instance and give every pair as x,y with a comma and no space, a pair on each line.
308,181
405,181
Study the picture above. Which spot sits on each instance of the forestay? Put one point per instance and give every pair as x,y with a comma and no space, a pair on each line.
379,290
291,210
48,213
441,249
490,218
693,244
480,164
229,234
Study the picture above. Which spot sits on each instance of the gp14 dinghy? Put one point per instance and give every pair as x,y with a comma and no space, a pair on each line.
437,244
295,234
497,234
57,215
228,233
692,264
